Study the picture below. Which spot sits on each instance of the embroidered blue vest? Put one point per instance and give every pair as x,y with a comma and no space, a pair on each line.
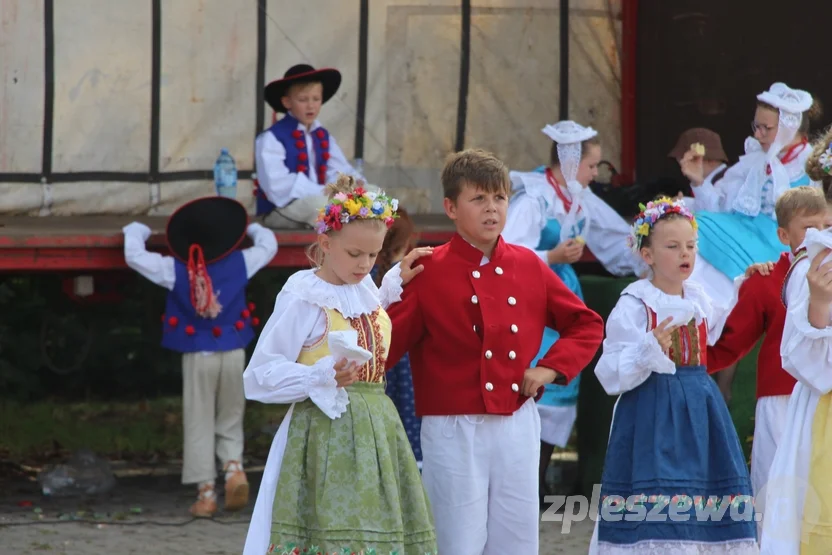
297,158
186,332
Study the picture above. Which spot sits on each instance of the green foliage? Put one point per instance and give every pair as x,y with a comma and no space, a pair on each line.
147,429
57,348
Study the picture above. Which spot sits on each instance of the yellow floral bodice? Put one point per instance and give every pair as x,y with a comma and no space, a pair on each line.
373,334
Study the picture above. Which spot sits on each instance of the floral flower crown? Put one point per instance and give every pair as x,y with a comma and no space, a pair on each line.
825,160
359,204
651,214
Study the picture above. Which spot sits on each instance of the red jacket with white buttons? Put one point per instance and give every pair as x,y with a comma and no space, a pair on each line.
472,330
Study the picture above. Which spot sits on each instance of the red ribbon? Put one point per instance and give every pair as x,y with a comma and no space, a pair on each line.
550,177
790,155
197,271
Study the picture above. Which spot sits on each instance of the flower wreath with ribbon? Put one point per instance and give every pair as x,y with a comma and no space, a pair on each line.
359,204
652,213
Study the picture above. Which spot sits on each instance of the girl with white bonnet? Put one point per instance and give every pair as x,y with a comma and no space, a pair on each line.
555,214
737,225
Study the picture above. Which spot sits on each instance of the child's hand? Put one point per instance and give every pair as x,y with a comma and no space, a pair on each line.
346,373
535,378
408,272
763,269
567,252
138,228
663,333
819,277
693,167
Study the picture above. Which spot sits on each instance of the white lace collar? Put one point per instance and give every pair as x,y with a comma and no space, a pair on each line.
351,300
694,296
537,186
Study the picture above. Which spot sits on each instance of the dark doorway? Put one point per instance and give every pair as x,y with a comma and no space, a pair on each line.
701,64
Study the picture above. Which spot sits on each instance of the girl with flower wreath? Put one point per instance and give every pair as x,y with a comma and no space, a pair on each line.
673,451
340,476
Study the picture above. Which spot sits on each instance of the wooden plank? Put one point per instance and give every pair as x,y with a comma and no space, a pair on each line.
95,243
105,231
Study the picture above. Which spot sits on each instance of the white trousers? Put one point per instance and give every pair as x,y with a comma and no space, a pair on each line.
213,404
769,419
299,213
302,212
481,475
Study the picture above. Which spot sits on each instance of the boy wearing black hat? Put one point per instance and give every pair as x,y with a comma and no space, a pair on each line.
296,157
208,320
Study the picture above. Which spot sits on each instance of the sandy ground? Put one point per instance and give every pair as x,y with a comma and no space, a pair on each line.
148,514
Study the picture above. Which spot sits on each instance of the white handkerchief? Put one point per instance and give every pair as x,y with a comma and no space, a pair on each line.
344,344
680,310
816,241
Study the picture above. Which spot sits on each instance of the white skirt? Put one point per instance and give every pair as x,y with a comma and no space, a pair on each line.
556,423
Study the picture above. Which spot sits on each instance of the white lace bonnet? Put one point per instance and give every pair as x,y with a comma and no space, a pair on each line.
569,135
791,103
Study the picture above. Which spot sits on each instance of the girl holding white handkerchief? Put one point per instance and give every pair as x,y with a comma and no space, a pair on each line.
673,449
341,475
798,511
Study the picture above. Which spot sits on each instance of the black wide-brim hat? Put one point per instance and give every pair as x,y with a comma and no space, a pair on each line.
217,224
302,73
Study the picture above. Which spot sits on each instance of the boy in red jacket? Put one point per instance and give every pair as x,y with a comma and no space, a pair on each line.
760,310
472,323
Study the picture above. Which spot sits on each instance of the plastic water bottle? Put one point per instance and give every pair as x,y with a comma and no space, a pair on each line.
225,175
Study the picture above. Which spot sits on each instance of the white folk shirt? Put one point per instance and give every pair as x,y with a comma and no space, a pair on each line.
807,355
161,269
606,236
720,197
630,351
282,187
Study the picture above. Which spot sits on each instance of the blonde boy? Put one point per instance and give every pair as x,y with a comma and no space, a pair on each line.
296,157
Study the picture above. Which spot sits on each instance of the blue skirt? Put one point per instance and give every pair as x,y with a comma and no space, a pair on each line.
731,242
400,390
560,395
673,449
557,395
